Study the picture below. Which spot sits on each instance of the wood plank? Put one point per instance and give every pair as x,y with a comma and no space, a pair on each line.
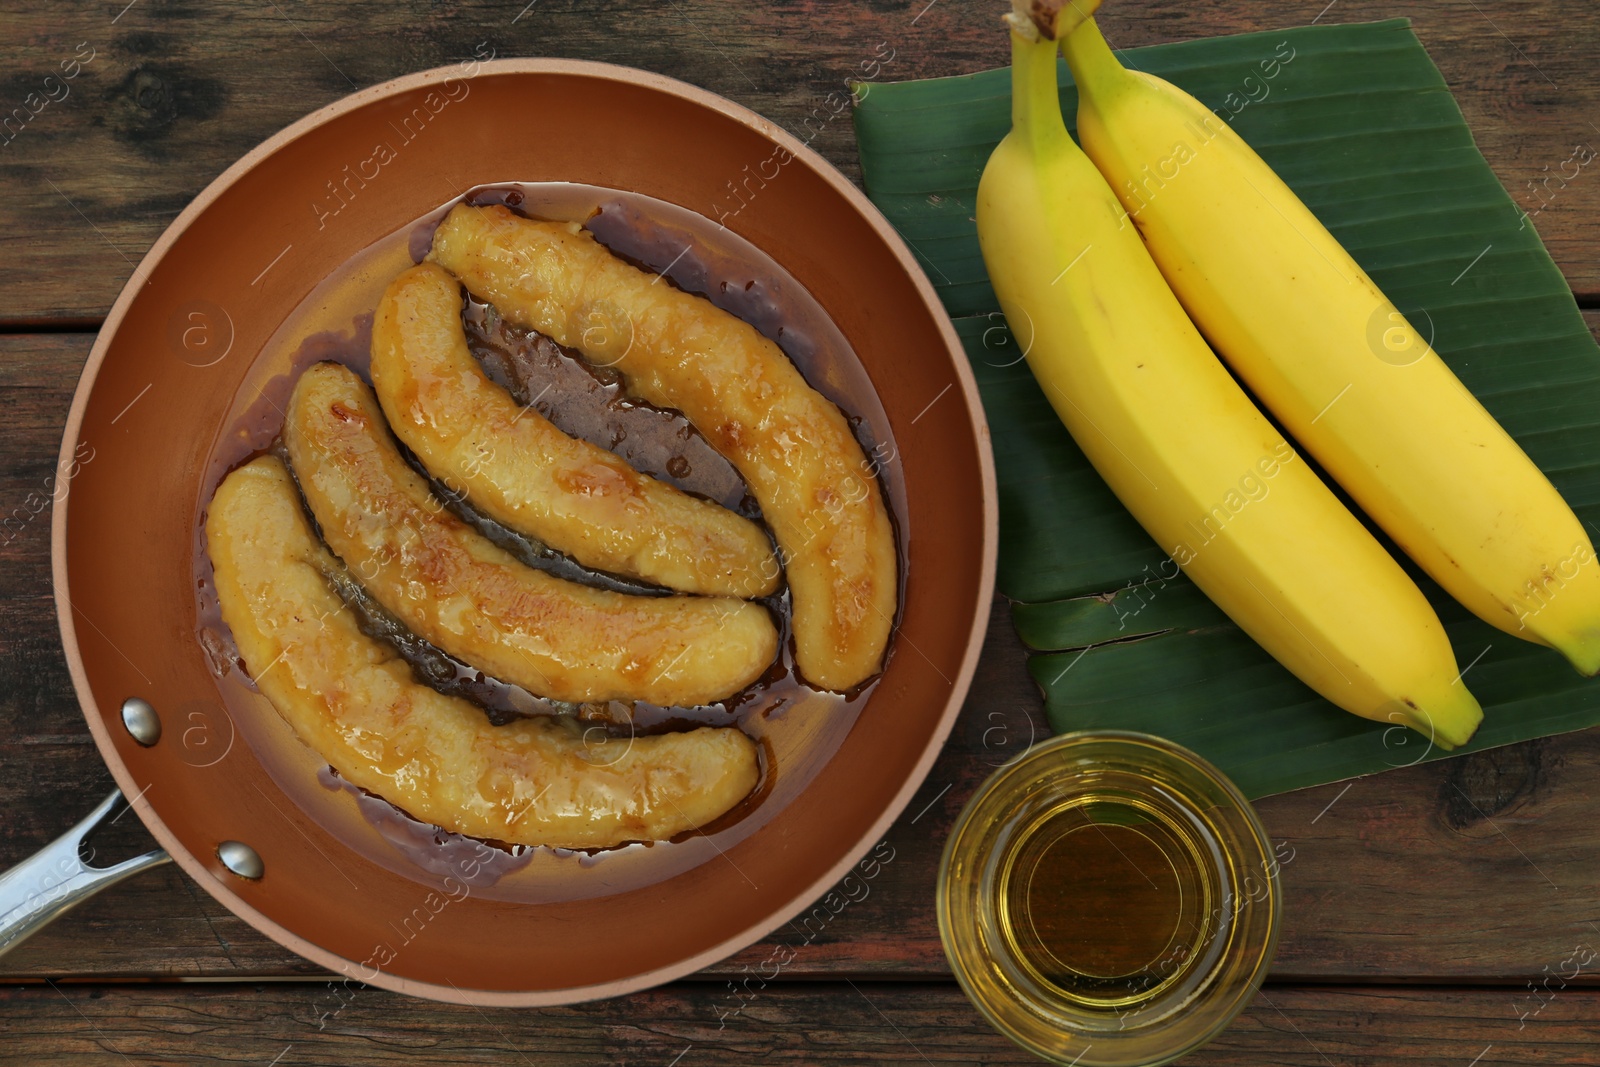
699,1024
1476,870
172,95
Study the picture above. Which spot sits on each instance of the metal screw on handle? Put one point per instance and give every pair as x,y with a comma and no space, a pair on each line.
55,879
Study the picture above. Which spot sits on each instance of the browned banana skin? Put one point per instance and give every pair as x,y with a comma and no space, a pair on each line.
677,350
537,781
516,467
453,587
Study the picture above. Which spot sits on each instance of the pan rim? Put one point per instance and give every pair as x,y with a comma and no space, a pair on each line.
196,868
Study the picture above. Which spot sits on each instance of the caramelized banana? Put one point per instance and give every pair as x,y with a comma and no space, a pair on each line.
354,701
677,350
455,588
520,470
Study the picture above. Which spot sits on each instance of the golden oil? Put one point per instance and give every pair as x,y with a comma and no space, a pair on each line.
1108,899
1104,899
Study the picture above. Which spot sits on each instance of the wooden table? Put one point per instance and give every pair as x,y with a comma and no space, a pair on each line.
1435,914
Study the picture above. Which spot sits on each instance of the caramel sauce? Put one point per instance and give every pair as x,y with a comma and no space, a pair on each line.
475,863
797,727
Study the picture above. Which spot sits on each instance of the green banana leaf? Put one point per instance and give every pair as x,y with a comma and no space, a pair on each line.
1359,122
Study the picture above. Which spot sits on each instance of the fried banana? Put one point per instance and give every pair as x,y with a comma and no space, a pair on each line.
678,350
520,470
456,589
354,701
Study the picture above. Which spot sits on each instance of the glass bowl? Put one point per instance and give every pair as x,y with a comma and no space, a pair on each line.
1109,899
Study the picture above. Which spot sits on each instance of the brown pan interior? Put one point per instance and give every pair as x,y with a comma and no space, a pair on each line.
122,539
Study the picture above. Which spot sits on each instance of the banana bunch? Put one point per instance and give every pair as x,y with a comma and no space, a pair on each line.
1329,355
1185,448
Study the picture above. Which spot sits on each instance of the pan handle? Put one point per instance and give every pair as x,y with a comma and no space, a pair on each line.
56,879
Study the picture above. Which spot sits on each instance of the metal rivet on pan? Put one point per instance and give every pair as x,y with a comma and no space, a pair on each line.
241,859
141,720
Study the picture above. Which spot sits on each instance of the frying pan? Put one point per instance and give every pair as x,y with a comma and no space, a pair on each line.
251,247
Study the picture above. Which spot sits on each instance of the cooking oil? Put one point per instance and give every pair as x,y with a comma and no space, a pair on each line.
1108,899
1104,900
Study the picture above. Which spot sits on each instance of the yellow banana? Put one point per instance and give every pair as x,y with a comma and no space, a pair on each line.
1327,353
1178,440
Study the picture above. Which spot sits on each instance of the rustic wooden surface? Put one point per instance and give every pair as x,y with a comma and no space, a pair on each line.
800,1023
177,91
1427,909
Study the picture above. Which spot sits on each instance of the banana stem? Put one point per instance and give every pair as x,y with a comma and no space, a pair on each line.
1035,94
1095,67
1053,19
